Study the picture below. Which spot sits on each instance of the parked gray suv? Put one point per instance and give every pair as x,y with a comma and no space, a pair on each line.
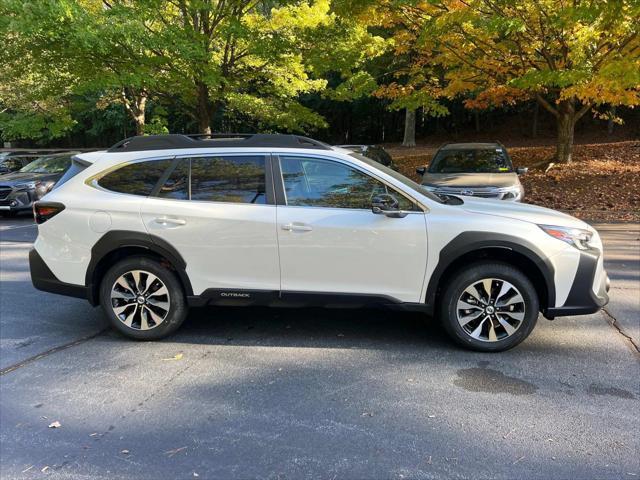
473,169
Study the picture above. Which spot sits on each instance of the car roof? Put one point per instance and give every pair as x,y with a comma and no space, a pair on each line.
470,146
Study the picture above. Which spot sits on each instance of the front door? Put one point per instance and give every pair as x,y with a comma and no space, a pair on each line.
331,242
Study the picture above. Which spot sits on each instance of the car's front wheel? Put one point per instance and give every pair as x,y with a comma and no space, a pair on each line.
489,307
143,299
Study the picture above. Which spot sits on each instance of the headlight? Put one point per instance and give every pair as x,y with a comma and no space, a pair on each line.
577,237
27,185
514,193
43,188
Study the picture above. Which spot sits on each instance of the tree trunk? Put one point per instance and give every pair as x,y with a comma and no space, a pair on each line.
409,128
203,108
610,123
534,125
566,125
135,103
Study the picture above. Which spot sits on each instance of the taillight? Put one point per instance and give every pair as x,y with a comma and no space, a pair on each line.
43,211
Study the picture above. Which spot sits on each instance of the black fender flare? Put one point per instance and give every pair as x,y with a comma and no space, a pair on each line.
118,239
468,242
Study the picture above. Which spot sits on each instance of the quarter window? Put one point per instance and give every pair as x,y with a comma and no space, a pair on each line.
322,183
136,178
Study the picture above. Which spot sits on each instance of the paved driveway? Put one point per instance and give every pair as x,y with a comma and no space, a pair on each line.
266,393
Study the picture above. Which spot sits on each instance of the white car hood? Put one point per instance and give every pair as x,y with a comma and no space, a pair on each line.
522,211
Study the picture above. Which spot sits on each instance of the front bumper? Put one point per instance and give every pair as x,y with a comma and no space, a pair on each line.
43,279
17,200
589,291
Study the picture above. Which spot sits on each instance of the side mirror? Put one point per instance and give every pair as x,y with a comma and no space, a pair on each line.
386,204
421,170
521,170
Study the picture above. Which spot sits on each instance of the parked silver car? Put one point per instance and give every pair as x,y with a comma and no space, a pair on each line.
473,169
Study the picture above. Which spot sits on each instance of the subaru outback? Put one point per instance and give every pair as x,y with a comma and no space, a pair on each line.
158,224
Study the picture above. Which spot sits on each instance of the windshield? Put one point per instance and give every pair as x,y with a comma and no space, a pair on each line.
398,176
490,160
48,165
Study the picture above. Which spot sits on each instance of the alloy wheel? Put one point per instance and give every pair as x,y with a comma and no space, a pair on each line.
140,300
490,309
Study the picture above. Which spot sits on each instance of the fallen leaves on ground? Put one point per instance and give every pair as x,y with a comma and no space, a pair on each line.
602,183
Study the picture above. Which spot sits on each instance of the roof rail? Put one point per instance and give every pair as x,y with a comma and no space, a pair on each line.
165,142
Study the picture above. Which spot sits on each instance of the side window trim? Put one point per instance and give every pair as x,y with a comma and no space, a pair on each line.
281,195
276,172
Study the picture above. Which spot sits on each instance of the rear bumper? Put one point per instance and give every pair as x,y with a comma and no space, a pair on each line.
44,279
589,291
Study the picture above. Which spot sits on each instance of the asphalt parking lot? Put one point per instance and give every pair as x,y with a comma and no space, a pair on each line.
286,393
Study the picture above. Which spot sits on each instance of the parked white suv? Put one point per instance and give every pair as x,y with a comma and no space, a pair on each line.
157,224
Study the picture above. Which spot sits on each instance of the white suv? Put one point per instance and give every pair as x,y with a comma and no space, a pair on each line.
157,224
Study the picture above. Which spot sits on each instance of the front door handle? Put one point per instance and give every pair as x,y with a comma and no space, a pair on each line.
165,221
297,227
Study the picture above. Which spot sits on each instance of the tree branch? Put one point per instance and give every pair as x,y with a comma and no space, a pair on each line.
547,105
585,108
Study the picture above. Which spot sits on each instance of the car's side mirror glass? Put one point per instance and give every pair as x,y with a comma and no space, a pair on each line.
387,204
421,170
521,170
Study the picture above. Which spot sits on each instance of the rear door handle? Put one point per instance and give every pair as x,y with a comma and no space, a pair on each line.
297,227
165,221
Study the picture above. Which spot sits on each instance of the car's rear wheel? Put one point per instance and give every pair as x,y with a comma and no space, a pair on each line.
489,307
143,299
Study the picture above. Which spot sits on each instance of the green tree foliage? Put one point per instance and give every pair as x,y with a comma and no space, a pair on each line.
238,58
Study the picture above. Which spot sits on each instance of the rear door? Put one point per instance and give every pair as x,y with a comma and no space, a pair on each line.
331,242
218,212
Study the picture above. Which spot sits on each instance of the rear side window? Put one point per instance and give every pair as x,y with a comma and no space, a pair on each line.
136,178
228,179
177,184
232,179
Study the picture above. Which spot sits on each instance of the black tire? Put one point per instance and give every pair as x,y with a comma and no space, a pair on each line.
472,274
177,310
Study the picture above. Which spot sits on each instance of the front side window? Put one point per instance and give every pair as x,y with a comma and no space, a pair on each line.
136,178
310,182
233,179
